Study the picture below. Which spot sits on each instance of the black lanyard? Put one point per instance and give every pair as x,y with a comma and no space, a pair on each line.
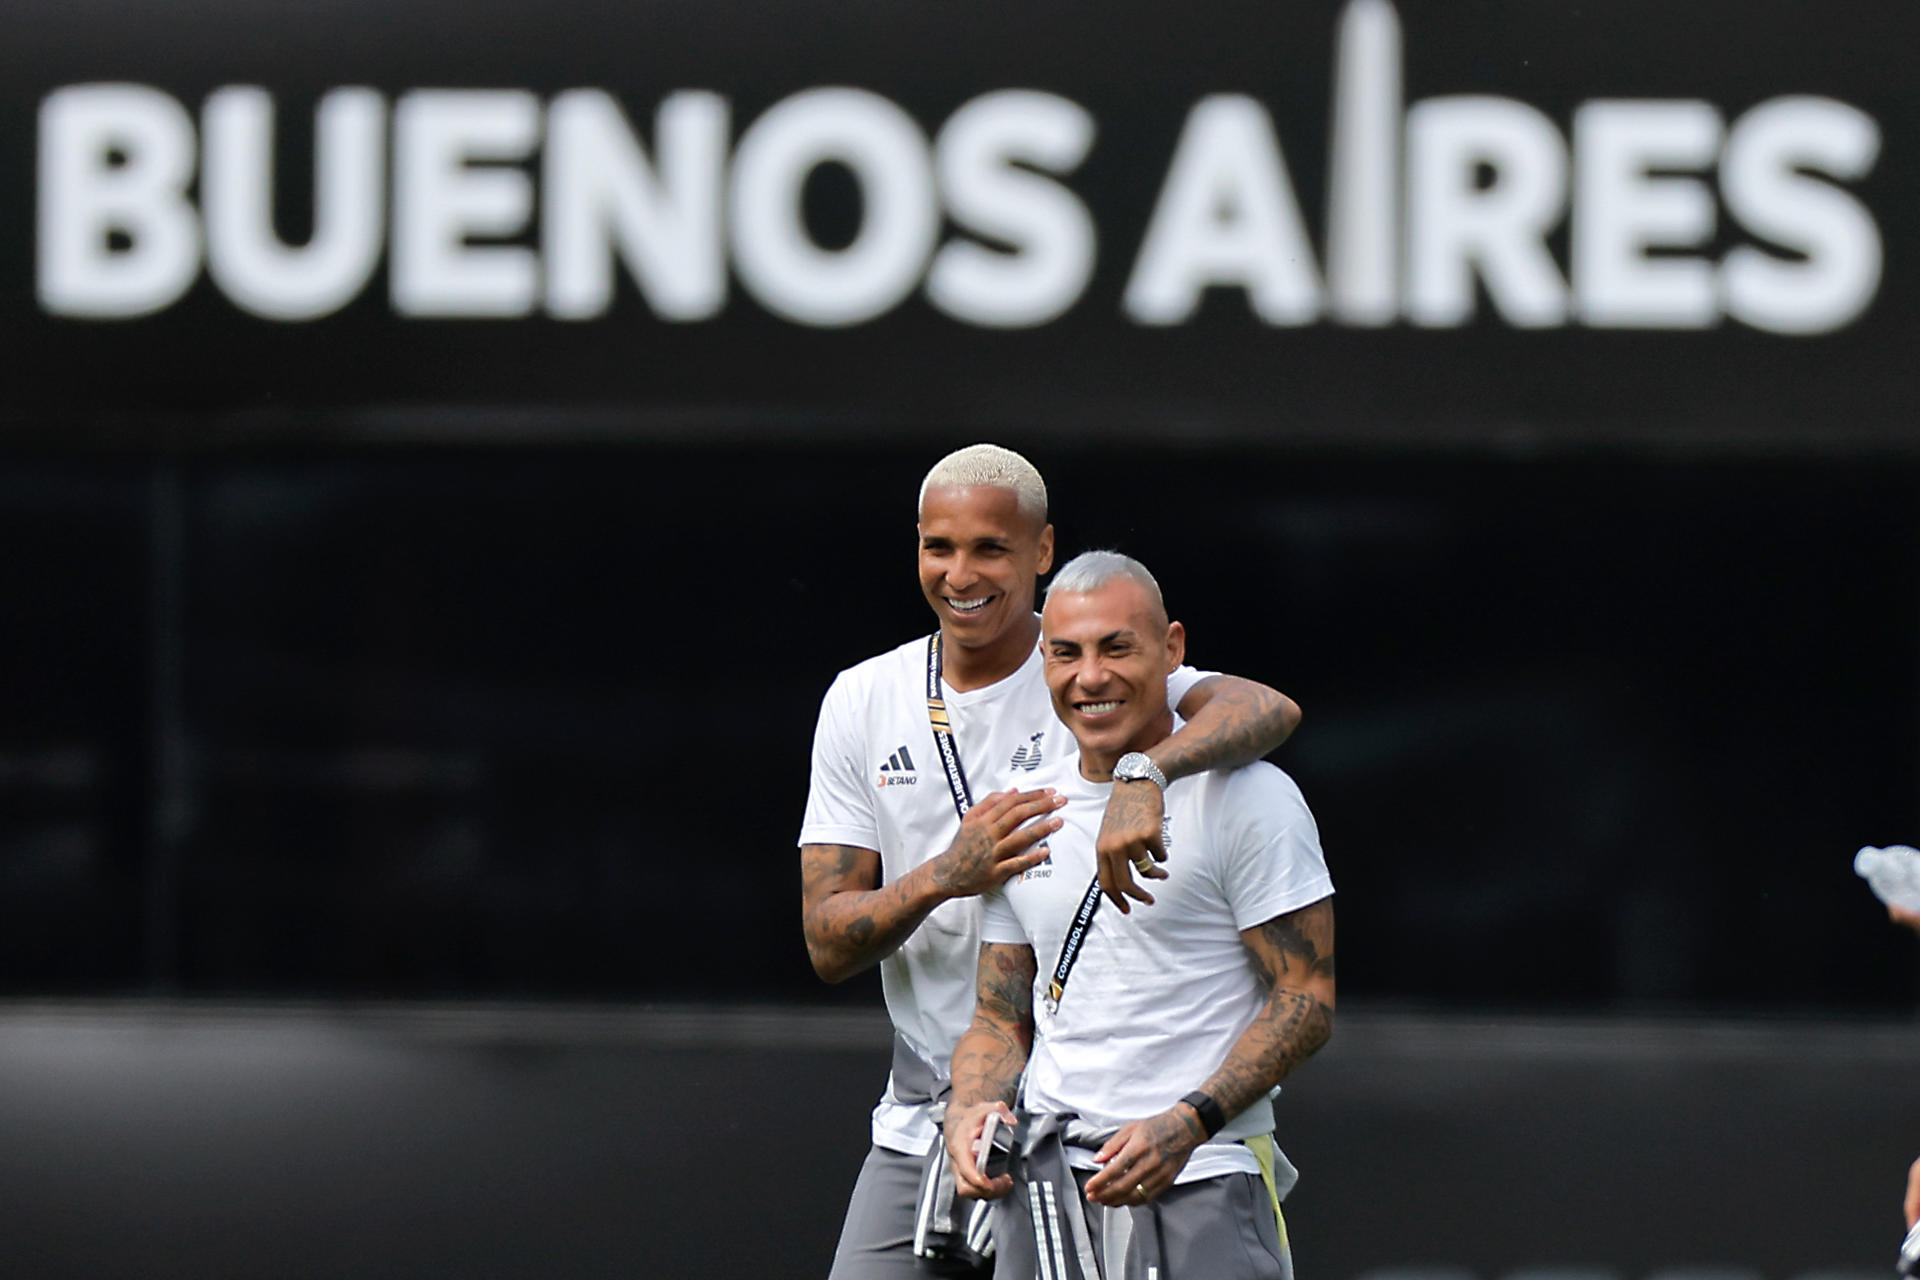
943,731
949,749
1070,945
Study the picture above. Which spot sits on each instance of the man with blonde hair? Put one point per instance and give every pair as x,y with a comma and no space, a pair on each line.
915,809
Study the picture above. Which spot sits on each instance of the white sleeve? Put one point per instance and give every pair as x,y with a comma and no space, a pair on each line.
1270,846
997,921
1181,683
840,806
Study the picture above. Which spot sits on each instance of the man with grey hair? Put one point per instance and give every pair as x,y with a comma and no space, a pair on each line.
1150,1046
915,809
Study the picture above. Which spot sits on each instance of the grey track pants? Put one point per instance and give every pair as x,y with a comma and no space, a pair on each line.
876,1241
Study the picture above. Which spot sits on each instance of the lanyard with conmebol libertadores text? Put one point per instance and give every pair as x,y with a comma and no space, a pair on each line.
949,750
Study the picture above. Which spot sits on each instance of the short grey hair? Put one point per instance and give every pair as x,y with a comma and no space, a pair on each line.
993,467
1091,570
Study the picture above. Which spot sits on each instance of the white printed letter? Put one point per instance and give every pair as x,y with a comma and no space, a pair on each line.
440,200
1764,178
1456,225
779,262
115,160
1226,216
599,191
979,154
1620,210
1363,171
244,255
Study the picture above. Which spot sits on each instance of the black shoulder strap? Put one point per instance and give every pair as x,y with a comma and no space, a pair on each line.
1070,945
949,749
943,731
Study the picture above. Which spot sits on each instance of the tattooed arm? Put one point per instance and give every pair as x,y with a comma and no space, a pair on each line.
992,1051
1229,722
843,905
1293,956
853,922
988,1060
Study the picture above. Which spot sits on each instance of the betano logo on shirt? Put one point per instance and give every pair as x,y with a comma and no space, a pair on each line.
897,771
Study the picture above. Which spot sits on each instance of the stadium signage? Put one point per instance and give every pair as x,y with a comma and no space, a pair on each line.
497,203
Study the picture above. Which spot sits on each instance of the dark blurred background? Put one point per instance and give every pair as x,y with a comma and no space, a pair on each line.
507,723
408,707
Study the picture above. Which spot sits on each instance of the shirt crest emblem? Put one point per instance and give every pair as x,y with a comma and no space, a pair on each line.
1027,756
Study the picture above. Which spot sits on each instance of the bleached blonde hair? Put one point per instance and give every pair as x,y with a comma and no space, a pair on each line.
994,467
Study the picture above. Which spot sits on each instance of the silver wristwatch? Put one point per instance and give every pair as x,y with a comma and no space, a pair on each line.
1136,765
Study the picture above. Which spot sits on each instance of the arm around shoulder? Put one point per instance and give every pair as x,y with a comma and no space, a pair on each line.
1230,722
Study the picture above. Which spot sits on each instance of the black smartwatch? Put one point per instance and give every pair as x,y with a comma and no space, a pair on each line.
1211,1117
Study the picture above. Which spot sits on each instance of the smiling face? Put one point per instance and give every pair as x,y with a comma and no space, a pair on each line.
980,557
1109,652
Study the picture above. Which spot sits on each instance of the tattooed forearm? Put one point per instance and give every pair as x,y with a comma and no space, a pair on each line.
1230,722
1005,983
851,921
1288,1031
987,1062
1292,955
992,1052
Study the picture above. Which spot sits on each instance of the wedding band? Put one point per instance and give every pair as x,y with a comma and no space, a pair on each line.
1143,863
1140,1189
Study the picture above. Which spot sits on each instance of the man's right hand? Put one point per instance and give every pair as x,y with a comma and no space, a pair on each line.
960,1131
999,838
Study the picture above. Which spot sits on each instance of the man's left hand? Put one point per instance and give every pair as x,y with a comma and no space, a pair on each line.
1129,841
1142,1160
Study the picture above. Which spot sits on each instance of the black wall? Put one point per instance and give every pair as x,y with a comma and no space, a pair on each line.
513,723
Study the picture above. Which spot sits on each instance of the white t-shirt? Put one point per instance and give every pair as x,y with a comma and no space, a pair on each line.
1158,996
878,784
